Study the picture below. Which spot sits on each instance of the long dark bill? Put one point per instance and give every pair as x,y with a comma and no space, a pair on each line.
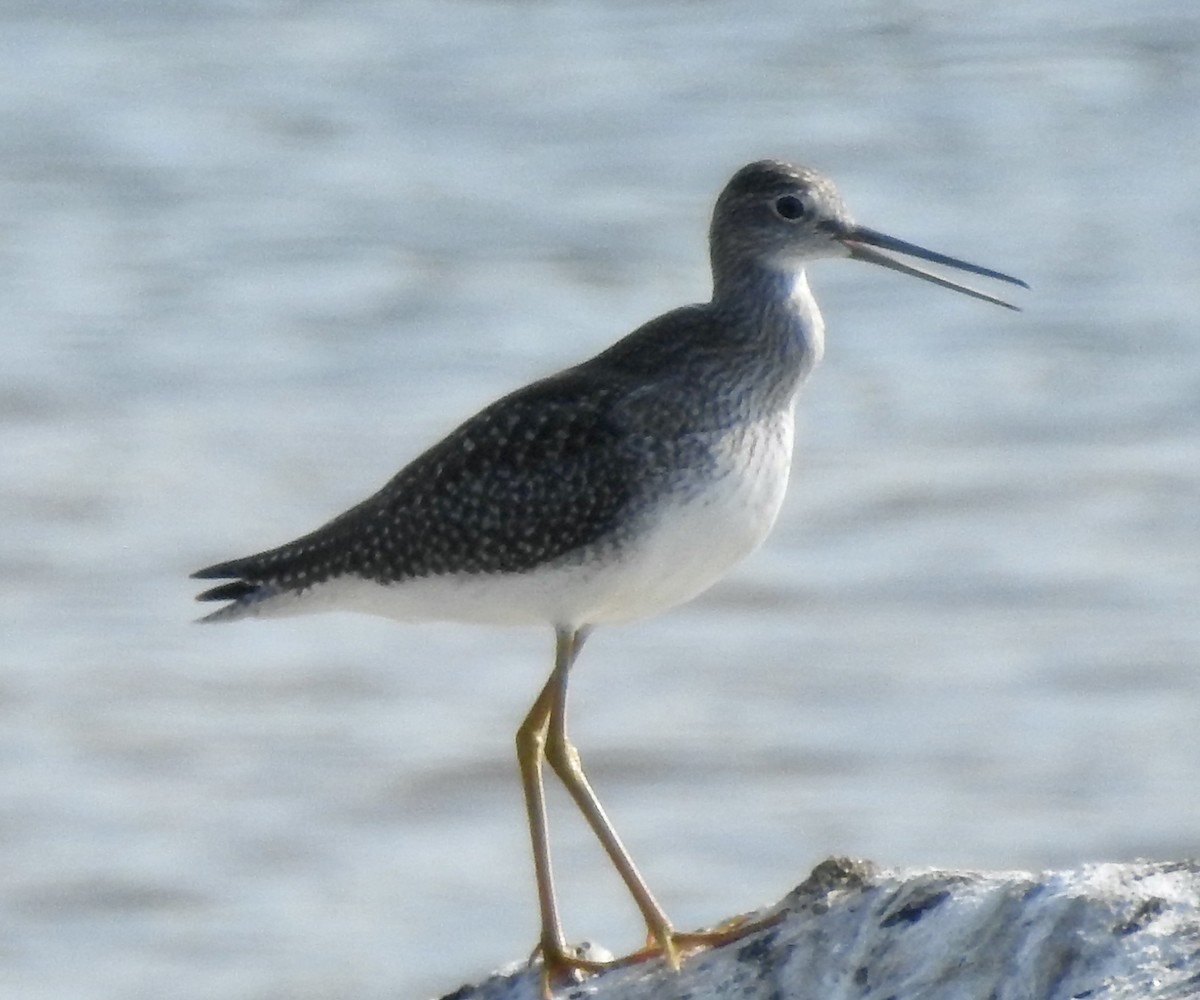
859,240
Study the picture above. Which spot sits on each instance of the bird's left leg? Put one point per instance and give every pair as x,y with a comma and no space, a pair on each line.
563,758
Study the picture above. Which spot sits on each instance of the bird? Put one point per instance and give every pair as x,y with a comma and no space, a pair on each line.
610,491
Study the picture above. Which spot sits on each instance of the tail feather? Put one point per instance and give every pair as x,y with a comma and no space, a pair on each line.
245,567
234,591
245,590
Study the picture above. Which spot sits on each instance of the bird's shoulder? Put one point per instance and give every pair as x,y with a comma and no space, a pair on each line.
589,420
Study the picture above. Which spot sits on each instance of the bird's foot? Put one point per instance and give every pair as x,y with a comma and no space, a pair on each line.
561,964
672,945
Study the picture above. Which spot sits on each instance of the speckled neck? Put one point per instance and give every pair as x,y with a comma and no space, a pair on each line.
772,312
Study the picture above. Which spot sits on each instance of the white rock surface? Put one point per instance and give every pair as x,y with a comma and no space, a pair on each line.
853,930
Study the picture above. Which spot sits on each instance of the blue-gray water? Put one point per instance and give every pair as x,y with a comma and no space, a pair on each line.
254,256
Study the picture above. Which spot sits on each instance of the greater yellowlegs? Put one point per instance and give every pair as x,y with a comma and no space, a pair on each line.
612,490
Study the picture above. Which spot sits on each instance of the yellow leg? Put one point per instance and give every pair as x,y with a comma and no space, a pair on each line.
542,737
563,758
531,751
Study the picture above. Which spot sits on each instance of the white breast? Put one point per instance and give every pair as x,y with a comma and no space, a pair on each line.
692,544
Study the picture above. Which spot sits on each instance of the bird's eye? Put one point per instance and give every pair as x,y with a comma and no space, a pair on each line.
790,207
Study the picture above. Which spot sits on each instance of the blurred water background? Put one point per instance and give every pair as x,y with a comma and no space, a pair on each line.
256,255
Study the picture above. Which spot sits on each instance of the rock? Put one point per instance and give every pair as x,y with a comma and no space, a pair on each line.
853,930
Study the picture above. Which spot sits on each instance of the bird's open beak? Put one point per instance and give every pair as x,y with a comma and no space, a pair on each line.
861,241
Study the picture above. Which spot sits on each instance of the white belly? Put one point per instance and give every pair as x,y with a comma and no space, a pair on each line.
693,544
